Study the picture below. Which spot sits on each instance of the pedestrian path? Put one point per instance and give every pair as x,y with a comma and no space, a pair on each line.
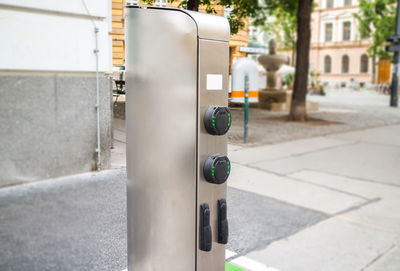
352,177
325,203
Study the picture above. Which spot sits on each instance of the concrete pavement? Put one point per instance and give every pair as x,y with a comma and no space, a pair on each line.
353,177
323,203
79,223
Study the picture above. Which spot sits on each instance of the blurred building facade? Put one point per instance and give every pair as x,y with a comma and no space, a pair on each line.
236,43
337,52
118,33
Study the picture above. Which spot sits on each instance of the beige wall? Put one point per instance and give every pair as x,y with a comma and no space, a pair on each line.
118,35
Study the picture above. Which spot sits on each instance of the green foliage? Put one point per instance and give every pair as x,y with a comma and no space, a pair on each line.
377,20
242,9
315,78
283,27
206,3
288,79
316,85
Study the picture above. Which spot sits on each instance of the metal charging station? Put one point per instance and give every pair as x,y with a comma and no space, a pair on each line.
177,119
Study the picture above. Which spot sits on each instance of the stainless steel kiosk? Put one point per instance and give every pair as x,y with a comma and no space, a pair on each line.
177,119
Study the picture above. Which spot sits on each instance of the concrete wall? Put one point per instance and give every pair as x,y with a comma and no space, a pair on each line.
48,125
48,88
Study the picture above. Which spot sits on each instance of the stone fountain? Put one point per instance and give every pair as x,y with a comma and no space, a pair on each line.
271,63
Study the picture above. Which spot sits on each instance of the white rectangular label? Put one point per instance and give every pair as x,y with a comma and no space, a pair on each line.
214,81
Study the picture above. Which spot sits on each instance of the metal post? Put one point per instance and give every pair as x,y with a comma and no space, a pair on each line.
97,106
246,106
395,82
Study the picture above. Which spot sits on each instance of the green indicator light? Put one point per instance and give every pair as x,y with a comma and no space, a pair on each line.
213,167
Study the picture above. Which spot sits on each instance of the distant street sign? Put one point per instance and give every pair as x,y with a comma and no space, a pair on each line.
393,48
253,50
394,39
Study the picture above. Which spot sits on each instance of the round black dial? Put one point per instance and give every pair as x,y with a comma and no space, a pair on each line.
217,120
217,168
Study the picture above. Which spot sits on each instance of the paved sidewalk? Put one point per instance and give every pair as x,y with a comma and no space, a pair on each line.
324,203
354,178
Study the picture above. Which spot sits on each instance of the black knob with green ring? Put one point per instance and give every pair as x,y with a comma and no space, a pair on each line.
217,120
217,169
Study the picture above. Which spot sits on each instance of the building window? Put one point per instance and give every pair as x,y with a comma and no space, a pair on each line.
346,30
347,3
345,64
327,64
329,3
328,31
364,64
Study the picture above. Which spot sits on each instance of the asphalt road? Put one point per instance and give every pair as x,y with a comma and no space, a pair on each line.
79,223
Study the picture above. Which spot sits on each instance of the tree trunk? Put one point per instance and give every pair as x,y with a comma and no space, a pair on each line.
193,5
298,110
373,70
293,60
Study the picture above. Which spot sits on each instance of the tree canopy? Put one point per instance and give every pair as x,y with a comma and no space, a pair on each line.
377,20
283,27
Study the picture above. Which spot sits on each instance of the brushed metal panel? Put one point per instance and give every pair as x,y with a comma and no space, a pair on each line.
161,119
211,27
213,59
